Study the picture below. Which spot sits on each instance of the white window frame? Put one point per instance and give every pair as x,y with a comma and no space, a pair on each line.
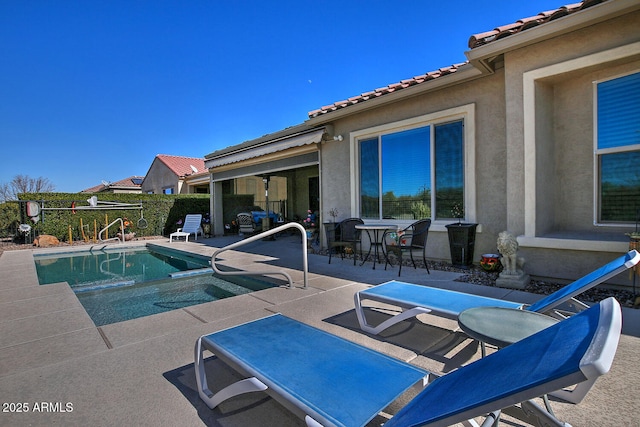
465,113
597,152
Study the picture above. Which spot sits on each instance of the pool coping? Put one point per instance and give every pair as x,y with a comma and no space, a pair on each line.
141,371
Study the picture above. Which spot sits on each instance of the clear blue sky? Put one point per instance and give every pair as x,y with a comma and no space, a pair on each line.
93,90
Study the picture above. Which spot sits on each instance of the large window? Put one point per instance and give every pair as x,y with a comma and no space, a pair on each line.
618,149
414,173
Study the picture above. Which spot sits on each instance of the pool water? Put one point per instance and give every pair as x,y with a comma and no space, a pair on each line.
87,270
124,284
111,305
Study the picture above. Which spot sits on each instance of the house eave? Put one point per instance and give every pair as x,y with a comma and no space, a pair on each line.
484,57
267,145
464,73
265,139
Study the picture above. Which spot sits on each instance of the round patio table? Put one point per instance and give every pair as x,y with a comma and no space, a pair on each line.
502,326
376,240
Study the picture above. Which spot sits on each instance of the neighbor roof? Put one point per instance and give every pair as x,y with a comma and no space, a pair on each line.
133,182
182,166
475,41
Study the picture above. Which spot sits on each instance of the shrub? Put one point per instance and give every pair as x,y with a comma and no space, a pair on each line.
161,212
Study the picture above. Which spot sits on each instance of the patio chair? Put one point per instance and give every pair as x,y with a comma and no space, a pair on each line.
246,225
408,240
330,381
192,225
345,235
418,299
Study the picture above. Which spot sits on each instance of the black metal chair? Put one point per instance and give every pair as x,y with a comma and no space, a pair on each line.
344,235
411,238
245,223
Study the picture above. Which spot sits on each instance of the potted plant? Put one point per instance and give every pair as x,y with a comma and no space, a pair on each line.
310,223
634,236
128,234
330,228
333,213
634,240
634,243
462,239
206,224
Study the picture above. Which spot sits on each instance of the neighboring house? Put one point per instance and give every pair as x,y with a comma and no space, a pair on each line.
127,185
176,175
538,134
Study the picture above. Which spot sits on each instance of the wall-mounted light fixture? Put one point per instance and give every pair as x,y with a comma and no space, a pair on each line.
337,138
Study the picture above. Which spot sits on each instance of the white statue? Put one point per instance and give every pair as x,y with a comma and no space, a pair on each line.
508,247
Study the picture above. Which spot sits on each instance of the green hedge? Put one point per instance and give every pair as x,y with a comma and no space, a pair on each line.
160,212
9,219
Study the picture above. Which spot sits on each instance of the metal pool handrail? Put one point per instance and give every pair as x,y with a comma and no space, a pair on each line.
305,263
107,227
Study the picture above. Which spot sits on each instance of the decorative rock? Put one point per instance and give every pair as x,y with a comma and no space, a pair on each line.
46,241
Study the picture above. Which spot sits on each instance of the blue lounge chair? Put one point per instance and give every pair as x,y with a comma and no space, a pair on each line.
418,299
331,381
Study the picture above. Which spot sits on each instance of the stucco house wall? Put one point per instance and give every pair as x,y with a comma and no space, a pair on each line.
158,178
527,99
533,141
183,175
486,94
552,210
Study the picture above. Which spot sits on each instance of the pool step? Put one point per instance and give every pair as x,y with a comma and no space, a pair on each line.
188,273
94,287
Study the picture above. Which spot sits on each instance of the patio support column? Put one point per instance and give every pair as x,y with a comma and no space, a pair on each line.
215,205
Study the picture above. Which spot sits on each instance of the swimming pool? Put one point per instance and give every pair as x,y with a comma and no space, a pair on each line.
120,284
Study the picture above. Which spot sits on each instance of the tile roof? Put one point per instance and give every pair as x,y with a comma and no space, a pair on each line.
130,182
403,84
474,42
524,24
182,166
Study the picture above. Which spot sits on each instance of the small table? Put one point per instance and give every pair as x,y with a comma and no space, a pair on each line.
376,241
501,326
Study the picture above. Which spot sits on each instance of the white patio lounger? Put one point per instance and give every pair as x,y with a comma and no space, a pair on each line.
418,299
331,381
192,225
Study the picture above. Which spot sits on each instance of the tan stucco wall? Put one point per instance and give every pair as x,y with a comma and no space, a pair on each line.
158,178
564,159
487,93
564,125
563,148
573,117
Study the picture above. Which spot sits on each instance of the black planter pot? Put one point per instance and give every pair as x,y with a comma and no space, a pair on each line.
462,240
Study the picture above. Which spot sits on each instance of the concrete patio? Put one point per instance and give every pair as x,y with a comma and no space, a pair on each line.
140,372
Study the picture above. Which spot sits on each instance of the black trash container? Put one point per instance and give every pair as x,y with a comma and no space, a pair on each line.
462,240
